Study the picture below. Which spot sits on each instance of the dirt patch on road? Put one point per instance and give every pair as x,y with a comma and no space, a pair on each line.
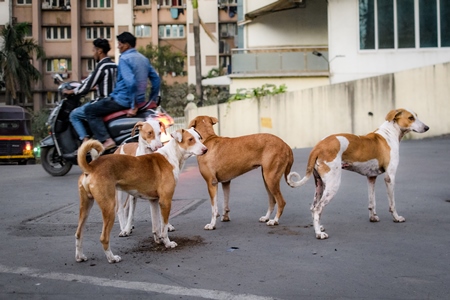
149,245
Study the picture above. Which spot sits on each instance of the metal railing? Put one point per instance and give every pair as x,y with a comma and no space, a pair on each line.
280,61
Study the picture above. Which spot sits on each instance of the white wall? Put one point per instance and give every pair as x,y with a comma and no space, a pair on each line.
343,30
294,27
302,118
4,12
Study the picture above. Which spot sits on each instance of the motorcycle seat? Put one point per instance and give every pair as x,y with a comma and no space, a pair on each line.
141,106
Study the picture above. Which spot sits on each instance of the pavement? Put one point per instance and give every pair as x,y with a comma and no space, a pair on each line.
241,259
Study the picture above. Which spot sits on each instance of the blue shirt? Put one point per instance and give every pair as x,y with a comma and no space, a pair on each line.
132,73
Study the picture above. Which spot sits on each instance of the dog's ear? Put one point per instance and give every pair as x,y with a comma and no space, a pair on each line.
214,120
192,123
393,114
138,126
178,135
163,127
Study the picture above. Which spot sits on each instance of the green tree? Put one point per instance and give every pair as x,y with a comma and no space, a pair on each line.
16,56
164,59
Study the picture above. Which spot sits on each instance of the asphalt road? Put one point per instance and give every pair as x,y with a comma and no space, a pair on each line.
241,259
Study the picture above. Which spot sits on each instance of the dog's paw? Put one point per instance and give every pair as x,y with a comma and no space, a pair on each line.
170,228
374,219
125,233
225,219
321,236
157,238
272,223
263,219
171,244
210,227
81,257
399,219
114,259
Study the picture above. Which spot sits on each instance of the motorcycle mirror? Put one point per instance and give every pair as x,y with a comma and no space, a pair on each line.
158,100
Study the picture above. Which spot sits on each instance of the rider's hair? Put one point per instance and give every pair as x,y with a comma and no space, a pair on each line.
102,44
126,37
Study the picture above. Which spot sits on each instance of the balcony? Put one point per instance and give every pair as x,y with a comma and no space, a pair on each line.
285,61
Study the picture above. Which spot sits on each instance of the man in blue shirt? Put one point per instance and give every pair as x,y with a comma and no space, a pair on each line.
134,70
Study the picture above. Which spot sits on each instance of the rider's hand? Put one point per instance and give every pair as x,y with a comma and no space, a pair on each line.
132,112
67,92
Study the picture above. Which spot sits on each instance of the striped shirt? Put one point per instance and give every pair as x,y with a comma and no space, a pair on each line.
104,77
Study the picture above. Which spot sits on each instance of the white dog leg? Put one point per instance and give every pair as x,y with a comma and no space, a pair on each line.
165,237
129,221
214,213
111,257
123,206
156,220
390,183
372,203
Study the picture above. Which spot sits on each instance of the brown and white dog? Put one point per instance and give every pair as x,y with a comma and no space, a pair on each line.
149,141
228,158
369,155
152,177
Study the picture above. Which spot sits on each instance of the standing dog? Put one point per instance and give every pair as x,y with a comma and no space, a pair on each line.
369,155
149,141
229,158
152,176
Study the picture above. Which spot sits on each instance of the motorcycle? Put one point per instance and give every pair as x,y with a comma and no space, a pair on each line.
58,149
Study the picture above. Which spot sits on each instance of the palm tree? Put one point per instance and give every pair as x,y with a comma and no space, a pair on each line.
16,55
196,22
198,62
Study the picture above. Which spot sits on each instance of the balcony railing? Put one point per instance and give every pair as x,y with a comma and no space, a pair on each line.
286,61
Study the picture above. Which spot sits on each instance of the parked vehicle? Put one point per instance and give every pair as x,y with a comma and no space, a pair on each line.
58,150
16,141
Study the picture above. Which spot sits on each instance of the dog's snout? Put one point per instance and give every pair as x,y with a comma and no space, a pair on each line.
426,128
204,150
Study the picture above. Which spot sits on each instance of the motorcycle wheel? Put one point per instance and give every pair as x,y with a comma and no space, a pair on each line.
52,165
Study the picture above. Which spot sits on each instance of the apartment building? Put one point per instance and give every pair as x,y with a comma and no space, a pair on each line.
308,43
66,29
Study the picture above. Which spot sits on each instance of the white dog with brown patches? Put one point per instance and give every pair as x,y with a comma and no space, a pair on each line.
152,177
369,155
149,141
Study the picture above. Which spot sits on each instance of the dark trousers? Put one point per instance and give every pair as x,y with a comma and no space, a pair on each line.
95,113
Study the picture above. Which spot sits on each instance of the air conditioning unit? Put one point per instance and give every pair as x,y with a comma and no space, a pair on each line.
224,34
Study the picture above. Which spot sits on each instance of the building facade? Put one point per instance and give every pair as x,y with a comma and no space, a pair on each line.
66,29
307,43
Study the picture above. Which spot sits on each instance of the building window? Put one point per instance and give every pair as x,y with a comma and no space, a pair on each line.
23,2
98,32
29,32
98,3
227,30
392,24
52,98
171,2
142,31
58,33
91,65
227,2
59,65
171,31
142,2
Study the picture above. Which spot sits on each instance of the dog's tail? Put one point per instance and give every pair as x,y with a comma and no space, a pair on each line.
93,146
309,170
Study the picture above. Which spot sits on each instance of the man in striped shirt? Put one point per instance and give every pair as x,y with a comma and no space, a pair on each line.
103,78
